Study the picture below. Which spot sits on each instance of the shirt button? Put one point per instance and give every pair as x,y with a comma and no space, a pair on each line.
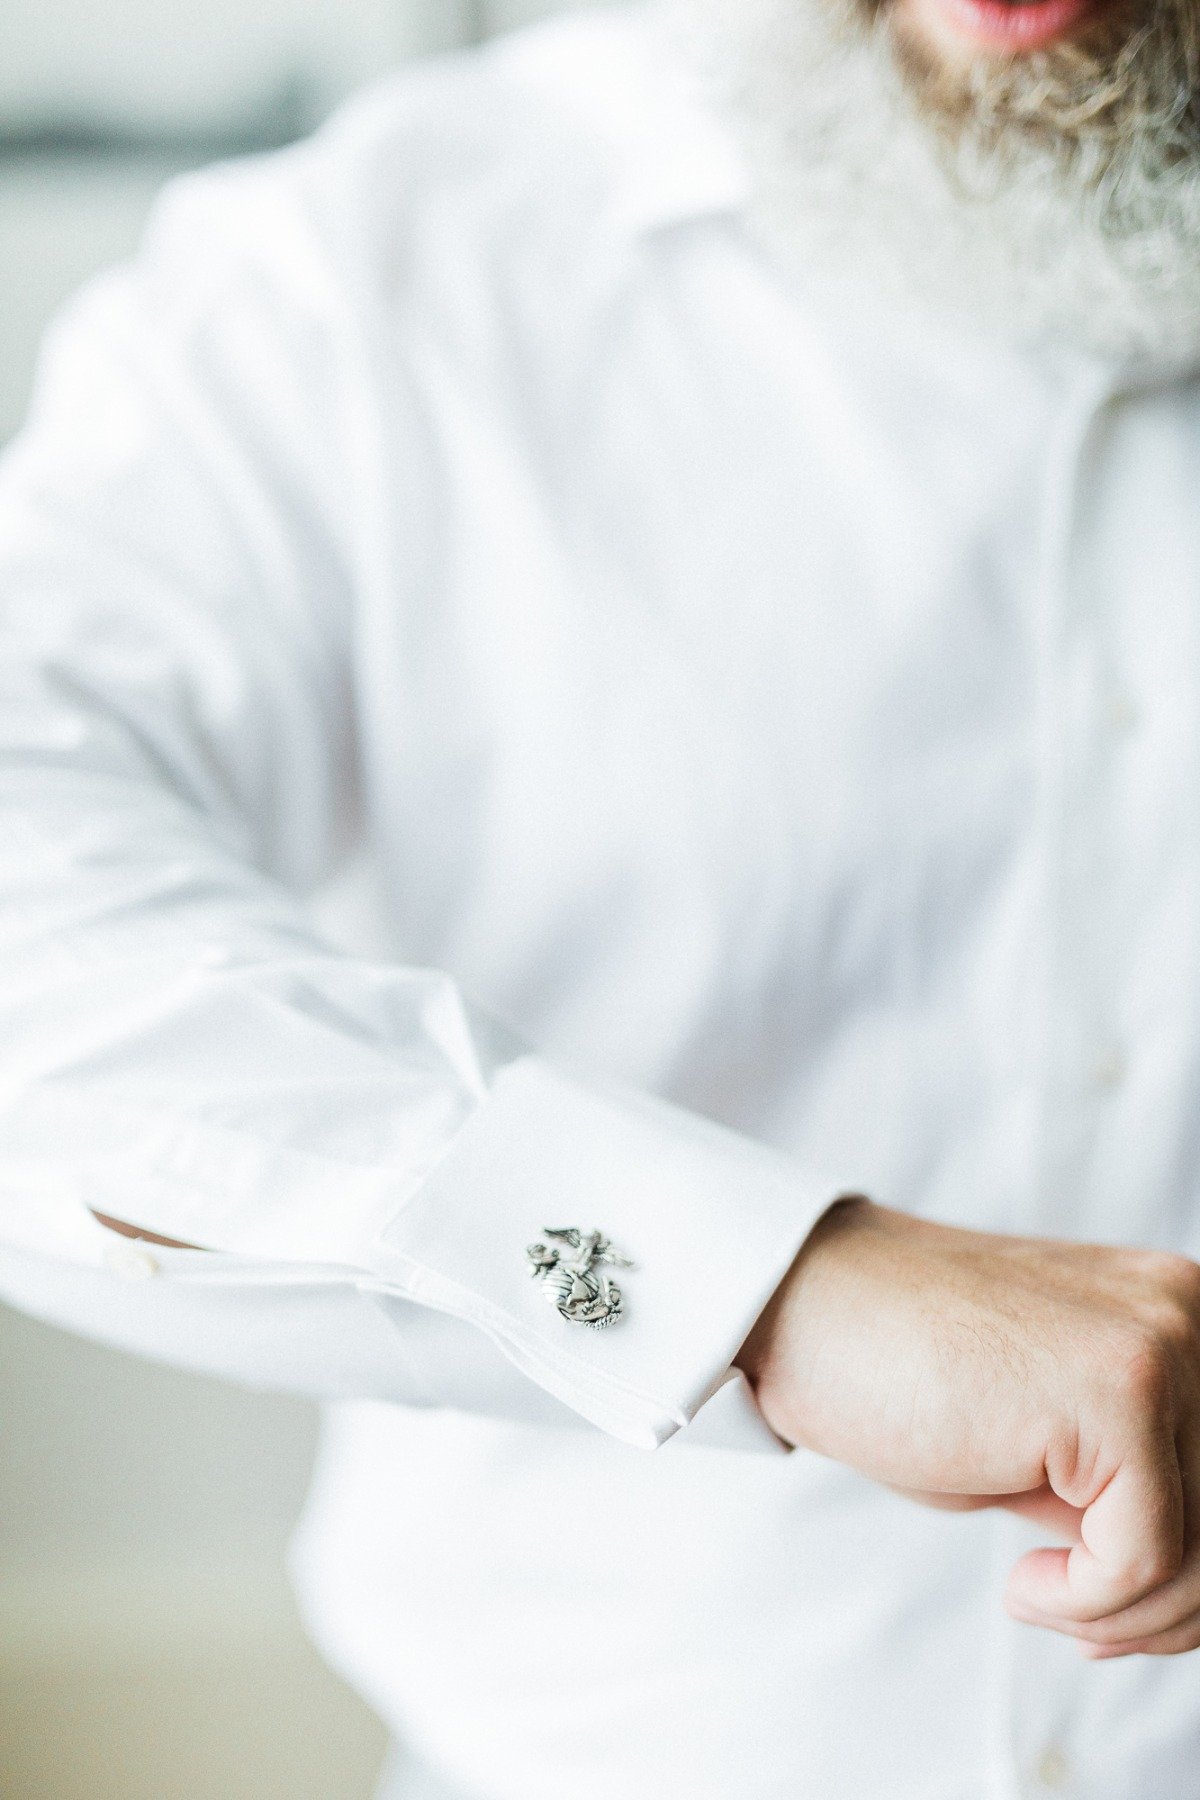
132,1262
1052,1769
1122,713
1109,1070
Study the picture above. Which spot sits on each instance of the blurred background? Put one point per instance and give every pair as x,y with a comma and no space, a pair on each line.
148,1647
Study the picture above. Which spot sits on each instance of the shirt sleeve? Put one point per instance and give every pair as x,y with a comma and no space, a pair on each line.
359,1154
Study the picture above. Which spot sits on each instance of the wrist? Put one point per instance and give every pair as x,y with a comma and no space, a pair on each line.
765,1349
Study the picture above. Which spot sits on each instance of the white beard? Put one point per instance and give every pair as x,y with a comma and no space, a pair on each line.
851,181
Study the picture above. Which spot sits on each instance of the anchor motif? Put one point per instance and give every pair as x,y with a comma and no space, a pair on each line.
565,1263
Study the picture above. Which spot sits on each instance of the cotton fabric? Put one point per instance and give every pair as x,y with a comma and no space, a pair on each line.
769,725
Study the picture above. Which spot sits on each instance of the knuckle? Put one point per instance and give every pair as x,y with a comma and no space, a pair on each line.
1187,1274
1174,1282
1102,1632
1145,1369
1146,1570
1185,1288
1175,1333
1154,1567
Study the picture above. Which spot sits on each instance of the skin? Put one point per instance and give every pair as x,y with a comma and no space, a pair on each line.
1061,1381
941,32
966,1370
142,1237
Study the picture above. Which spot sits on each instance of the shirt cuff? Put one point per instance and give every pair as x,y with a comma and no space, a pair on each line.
711,1220
731,1420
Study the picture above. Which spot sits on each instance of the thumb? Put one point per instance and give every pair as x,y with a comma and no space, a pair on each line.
1131,1541
1044,1508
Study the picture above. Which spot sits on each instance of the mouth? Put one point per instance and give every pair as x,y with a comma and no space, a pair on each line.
1000,27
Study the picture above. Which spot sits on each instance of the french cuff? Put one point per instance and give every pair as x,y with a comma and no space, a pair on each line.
731,1420
711,1222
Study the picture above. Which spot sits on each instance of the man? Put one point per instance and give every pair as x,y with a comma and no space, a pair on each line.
707,501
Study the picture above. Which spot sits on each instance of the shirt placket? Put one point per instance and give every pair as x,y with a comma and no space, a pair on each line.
1035,1725
1117,763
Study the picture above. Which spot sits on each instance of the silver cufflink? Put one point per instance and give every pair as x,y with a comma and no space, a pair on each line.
566,1263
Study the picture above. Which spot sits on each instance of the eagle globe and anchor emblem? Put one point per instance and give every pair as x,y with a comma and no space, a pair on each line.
569,1264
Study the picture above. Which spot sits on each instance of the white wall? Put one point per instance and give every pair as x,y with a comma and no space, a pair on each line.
189,65
147,1646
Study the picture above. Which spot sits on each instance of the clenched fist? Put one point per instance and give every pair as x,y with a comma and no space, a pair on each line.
1059,1380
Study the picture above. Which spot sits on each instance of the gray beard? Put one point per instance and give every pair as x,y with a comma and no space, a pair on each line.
1054,199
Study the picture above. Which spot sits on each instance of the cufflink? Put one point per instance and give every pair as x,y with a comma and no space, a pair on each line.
565,1263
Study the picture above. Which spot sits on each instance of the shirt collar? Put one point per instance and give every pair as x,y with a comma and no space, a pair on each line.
680,162
680,176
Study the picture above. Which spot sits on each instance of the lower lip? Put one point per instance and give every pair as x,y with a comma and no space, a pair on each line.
994,26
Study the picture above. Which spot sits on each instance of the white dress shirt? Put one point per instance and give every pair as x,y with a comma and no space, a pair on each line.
773,712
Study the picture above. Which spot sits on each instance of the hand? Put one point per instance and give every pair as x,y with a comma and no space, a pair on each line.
1059,1380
